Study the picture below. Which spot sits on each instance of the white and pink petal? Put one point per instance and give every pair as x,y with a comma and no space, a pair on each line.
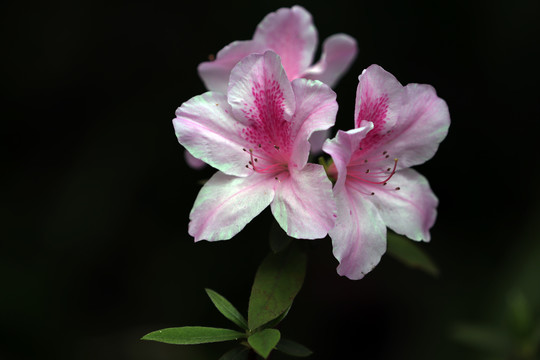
304,204
359,237
205,127
226,204
316,110
422,125
378,100
409,211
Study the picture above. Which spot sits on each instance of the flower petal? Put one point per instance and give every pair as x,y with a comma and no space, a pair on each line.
259,89
359,237
205,127
226,204
339,51
291,34
378,99
304,204
342,148
411,210
317,140
193,162
423,123
410,121
215,74
316,109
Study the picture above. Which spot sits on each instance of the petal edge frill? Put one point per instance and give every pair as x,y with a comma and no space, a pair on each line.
226,204
359,237
205,127
304,205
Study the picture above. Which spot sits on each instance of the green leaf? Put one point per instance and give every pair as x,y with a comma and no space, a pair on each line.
279,240
237,353
189,335
227,309
409,253
293,348
482,338
278,280
263,342
276,321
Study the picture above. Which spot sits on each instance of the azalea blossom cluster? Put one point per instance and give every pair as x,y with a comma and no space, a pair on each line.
254,125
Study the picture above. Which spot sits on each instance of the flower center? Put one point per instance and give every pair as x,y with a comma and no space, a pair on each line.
364,174
266,163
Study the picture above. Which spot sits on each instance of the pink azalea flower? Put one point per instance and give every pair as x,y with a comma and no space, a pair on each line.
257,137
291,34
396,127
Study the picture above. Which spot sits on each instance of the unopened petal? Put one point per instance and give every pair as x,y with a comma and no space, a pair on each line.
215,74
205,127
304,204
359,237
316,109
226,204
407,204
291,34
339,52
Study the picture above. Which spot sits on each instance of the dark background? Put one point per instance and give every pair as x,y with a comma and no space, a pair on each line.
95,193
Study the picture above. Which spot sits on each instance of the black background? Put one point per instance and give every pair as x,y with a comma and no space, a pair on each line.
95,193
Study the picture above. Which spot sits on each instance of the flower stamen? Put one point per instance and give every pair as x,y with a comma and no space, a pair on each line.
363,178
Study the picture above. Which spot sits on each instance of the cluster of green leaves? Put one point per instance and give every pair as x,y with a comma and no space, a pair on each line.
277,282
